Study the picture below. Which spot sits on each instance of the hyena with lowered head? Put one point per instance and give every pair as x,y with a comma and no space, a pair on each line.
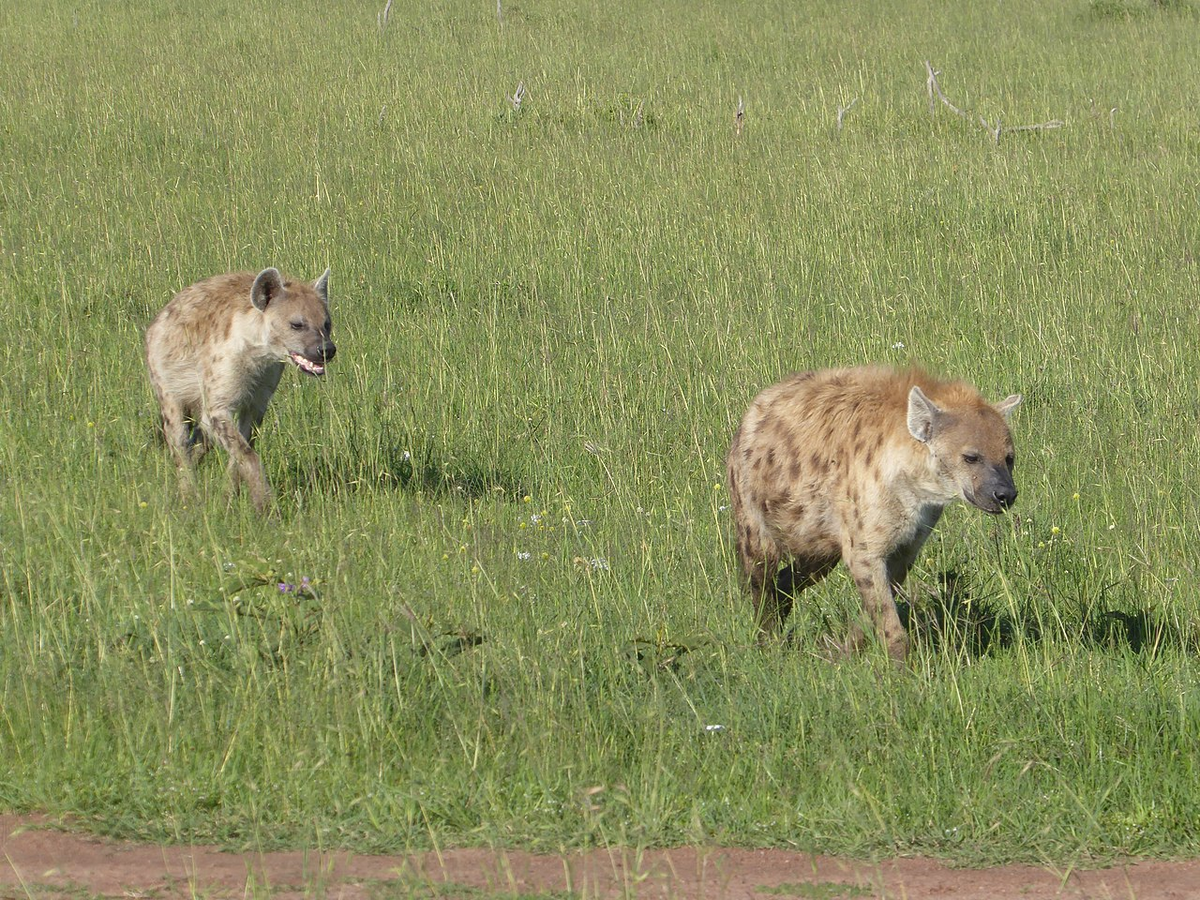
856,465
215,355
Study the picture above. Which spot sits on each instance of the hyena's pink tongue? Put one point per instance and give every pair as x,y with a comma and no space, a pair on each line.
307,365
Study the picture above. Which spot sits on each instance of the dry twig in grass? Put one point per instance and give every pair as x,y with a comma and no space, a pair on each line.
842,110
518,97
936,93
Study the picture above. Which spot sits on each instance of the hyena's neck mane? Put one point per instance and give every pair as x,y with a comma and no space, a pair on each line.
956,395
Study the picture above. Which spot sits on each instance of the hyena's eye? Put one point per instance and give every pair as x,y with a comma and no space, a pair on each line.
297,325
971,458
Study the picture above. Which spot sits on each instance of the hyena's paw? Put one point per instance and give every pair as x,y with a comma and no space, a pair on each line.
898,650
262,498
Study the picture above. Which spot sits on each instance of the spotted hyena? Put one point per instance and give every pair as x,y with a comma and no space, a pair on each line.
856,465
216,353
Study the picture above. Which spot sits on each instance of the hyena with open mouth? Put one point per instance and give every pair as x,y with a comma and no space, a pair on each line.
216,353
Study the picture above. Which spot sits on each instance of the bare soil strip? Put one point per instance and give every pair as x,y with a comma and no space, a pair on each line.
37,859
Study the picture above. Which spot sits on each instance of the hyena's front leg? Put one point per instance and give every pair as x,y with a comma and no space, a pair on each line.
244,463
871,577
901,559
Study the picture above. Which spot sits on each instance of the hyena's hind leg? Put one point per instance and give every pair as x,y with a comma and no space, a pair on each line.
760,558
800,573
198,442
180,433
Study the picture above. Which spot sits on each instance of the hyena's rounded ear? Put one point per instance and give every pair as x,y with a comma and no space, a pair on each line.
321,286
1008,404
922,415
267,286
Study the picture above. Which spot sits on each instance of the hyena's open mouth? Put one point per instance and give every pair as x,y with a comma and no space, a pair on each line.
304,364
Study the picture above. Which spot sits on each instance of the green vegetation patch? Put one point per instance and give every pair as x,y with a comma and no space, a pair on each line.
426,889
497,603
817,890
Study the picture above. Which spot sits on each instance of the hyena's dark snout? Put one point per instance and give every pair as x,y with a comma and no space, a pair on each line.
994,492
326,351
1005,496
1001,490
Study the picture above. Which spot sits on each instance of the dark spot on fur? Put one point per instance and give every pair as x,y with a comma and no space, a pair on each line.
865,583
771,458
794,469
870,455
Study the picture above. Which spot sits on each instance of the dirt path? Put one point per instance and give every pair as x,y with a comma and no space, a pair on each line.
38,860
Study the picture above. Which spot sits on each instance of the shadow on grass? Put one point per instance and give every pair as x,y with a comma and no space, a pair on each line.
1126,10
253,611
947,616
660,655
425,471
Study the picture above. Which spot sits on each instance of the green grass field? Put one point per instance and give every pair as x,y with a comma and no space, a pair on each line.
522,613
